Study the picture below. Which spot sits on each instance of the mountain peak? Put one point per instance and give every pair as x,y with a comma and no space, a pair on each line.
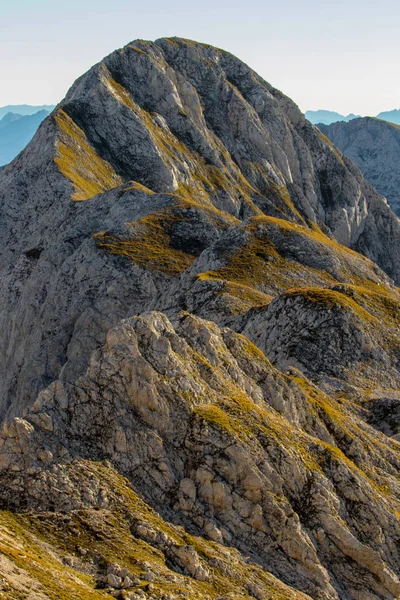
200,378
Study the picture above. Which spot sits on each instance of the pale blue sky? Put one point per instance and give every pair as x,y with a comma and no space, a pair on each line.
338,55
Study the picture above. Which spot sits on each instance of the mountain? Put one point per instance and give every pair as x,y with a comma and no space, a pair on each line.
24,109
9,118
374,146
200,347
16,132
393,116
327,117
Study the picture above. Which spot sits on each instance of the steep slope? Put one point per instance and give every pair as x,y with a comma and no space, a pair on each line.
374,146
16,134
164,455
125,550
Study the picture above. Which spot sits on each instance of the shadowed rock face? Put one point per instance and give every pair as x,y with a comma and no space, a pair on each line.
374,146
174,184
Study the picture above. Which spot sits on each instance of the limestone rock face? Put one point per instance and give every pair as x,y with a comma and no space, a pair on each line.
170,141
199,376
324,332
374,146
206,428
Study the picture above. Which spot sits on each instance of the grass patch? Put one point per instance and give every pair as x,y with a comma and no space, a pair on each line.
328,298
149,245
150,241
77,160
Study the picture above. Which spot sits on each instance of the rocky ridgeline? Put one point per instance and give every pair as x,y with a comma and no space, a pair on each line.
200,371
374,146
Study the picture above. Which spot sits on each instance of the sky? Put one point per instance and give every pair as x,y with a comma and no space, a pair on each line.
341,56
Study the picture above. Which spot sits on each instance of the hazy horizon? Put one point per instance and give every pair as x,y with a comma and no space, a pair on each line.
346,114
342,60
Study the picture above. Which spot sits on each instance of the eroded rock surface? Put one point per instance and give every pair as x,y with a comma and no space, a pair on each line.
203,425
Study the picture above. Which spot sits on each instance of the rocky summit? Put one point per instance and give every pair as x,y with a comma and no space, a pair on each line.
374,146
199,373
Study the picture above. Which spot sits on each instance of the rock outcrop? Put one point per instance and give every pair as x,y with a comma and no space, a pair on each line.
374,146
199,380
203,425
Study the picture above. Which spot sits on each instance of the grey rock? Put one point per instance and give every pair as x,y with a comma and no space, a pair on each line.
374,146
114,581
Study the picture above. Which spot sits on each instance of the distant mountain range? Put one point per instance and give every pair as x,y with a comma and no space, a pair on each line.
24,109
16,131
9,118
374,145
393,116
326,117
